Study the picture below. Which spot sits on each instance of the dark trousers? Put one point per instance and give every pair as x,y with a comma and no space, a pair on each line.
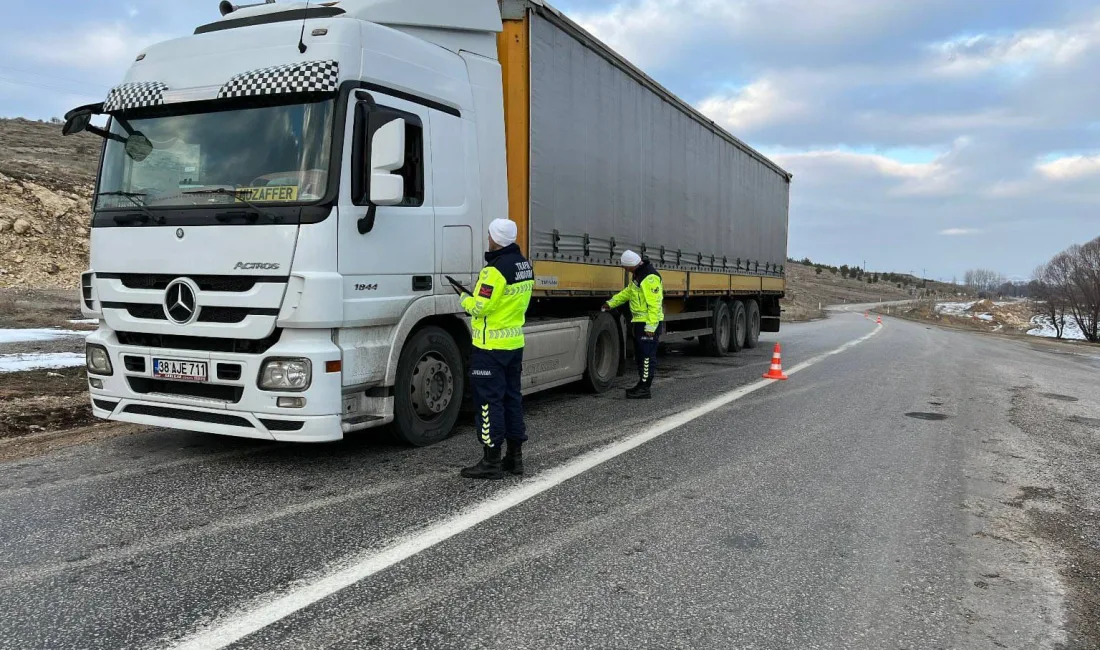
495,380
645,352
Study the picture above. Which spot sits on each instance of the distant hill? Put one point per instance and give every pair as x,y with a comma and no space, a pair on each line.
807,289
45,184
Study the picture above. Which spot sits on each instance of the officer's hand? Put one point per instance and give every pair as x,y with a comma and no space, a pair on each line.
650,333
605,307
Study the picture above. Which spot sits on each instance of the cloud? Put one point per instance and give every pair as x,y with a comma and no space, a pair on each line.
1070,168
954,232
95,46
870,173
650,32
758,103
1018,52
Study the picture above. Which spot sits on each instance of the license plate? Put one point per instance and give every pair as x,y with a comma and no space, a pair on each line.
180,370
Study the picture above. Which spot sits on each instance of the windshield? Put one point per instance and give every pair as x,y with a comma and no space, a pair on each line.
270,154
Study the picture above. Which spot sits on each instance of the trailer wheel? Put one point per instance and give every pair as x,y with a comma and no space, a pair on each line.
431,379
602,357
752,335
717,344
739,332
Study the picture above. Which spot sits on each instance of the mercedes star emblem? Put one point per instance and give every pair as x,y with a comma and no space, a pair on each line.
180,303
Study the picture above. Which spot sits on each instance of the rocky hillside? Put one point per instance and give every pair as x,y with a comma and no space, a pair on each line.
45,184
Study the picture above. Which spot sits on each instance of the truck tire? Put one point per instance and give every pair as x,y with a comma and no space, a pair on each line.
603,354
739,330
717,344
431,380
752,334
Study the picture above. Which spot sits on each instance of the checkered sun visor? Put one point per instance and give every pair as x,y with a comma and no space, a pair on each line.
305,77
134,95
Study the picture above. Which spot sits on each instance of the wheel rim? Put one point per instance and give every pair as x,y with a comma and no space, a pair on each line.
741,329
432,386
724,331
604,357
755,326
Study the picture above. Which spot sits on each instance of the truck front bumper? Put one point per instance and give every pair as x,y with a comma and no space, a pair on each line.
229,403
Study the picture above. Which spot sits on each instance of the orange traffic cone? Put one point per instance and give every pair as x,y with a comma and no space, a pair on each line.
879,319
776,371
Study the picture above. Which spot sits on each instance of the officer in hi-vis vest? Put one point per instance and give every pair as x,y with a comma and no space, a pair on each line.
498,311
646,295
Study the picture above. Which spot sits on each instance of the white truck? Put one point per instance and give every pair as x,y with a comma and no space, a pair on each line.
283,193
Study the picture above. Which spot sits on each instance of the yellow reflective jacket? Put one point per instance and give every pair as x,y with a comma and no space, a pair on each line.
498,308
646,295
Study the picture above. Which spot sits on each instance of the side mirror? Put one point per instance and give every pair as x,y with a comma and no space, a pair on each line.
387,155
138,147
77,120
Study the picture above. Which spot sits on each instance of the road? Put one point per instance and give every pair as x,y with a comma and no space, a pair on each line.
834,510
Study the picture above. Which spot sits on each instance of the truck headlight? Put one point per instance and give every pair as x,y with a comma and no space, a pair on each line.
97,360
286,374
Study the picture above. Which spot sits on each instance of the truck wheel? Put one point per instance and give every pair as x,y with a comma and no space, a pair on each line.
431,378
752,335
718,343
602,358
740,326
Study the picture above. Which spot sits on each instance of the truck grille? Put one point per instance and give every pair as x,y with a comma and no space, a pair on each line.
224,315
226,283
146,386
202,343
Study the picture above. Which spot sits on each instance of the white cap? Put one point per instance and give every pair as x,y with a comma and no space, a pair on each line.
503,231
630,258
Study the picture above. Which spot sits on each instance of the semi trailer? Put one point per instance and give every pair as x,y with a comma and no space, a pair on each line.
283,193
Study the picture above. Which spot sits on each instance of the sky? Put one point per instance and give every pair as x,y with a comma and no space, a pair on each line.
935,135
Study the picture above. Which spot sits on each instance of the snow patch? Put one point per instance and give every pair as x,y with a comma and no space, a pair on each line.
953,308
39,361
85,321
1044,327
28,335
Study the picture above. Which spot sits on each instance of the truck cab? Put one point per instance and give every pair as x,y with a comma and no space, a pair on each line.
280,197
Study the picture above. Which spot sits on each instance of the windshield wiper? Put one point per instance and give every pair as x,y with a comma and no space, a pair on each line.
237,194
123,219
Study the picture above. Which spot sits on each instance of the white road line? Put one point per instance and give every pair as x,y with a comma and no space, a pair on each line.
251,520
274,607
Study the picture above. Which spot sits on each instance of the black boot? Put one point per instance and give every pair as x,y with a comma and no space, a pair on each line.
489,467
640,393
513,458
637,387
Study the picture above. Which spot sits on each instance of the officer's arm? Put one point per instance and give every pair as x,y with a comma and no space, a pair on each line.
654,295
620,298
487,292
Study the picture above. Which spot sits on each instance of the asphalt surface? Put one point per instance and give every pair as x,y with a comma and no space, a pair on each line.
812,513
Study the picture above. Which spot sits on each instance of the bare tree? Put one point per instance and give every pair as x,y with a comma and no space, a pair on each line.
983,280
1084,287
1045,289
1071,283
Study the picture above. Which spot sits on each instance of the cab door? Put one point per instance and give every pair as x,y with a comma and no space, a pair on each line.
456,198
386,253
